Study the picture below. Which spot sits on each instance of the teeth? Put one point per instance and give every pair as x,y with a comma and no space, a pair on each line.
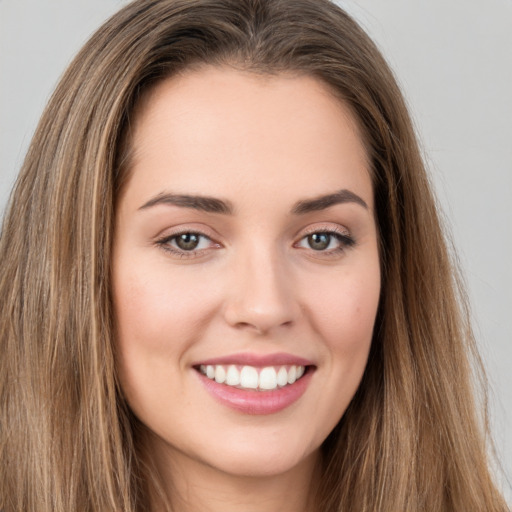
268,378
292,375
220,374
249,377
282,377
233,376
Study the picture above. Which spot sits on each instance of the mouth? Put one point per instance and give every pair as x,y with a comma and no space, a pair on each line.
256,385
267,378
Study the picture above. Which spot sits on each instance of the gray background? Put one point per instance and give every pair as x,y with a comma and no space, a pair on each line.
454,62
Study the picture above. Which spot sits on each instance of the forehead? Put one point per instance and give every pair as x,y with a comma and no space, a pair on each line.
209,127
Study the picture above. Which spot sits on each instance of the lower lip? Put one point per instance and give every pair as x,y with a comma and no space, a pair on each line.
249,401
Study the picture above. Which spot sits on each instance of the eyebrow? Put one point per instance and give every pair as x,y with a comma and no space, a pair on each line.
202,203
215,205
324,202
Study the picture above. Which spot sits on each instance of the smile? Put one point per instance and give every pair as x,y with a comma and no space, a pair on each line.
256,384
267,378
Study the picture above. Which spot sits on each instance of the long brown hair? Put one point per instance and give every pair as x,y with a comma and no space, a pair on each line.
413,437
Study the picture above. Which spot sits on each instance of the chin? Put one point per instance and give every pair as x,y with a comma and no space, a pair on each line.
264,459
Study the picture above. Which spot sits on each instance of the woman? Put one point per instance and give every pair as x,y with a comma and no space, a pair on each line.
225,281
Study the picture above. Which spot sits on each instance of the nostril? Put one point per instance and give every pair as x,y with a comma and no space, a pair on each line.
260,328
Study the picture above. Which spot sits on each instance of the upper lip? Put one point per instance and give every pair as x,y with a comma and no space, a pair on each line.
260,360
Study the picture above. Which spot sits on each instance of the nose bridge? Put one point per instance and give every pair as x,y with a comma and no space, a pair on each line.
261,293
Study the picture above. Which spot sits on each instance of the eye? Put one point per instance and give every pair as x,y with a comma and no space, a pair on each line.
186,244
326,241
320,241
188,241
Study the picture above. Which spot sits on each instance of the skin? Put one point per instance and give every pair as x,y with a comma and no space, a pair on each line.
254,284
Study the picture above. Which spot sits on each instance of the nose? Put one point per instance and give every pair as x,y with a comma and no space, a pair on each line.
261,294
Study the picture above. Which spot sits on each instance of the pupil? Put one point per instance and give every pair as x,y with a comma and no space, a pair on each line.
187,241
319,241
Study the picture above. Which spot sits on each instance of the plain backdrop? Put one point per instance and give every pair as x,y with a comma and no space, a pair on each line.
453,60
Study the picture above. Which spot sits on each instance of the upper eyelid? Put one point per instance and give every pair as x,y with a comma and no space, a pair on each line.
211,234
173,236
300,234
174,231
324,228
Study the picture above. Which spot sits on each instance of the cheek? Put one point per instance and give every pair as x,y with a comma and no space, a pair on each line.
158,317
343,312
155,309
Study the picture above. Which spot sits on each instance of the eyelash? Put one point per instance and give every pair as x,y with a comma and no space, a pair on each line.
164,244
345,242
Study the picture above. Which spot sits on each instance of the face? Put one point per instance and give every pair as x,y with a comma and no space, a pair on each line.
246,273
